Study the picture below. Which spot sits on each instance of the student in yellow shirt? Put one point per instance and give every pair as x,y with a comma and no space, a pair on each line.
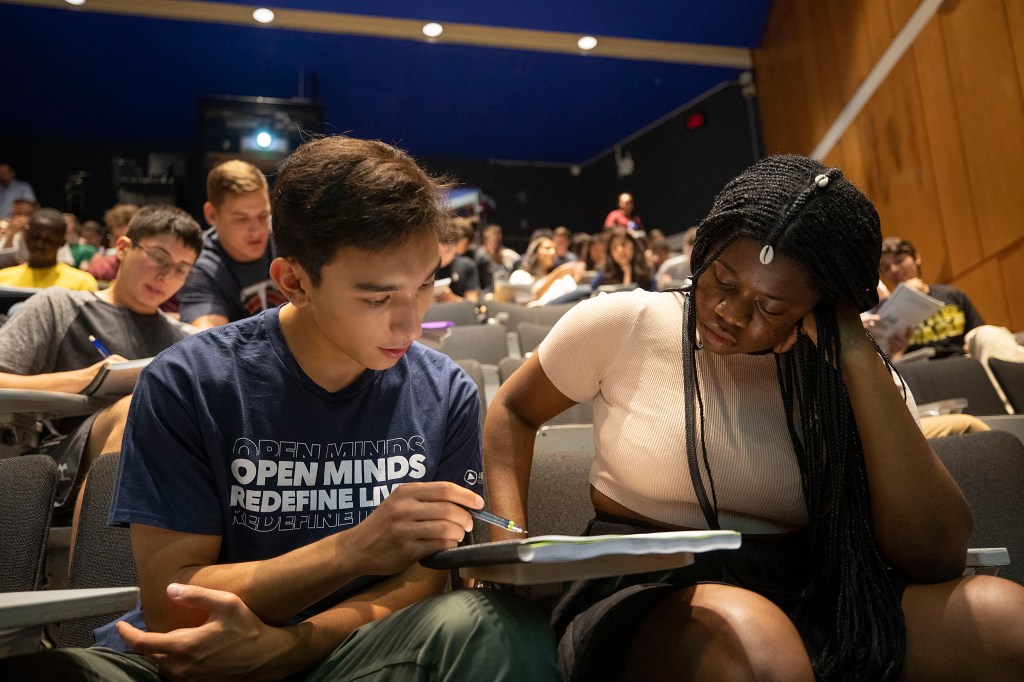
43,237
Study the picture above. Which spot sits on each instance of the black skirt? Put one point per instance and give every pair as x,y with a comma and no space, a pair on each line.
594,619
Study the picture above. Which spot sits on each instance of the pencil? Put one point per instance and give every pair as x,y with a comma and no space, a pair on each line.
495,520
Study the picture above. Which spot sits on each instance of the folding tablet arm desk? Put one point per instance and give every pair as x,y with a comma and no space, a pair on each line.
23,414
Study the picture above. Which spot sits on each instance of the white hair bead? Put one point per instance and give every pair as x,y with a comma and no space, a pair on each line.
821,180
767,254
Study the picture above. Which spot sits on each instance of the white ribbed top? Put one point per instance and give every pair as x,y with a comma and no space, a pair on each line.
625,351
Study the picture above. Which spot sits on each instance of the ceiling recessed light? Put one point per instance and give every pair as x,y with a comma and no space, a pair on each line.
432,30
587,43
263,15
75,2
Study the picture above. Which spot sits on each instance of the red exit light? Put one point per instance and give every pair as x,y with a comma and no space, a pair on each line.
694,120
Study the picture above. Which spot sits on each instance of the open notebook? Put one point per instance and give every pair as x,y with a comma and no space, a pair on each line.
555,558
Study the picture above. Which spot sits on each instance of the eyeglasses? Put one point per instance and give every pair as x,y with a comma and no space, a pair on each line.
161,260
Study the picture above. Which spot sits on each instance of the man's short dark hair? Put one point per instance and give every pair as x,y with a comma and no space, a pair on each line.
336,192
47,219
160,219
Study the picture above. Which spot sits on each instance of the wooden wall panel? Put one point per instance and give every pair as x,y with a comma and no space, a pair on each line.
986,289
790,111
990,105
896,157
1015,21
849,27
949,163
940,146
1012,267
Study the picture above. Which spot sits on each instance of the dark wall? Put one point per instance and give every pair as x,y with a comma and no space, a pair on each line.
526,197
677,173
47,164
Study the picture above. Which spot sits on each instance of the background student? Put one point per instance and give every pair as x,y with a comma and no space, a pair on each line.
231,279
46,345
43,238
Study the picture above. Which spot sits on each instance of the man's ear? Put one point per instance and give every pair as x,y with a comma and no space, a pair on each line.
291,280
210,214
121,247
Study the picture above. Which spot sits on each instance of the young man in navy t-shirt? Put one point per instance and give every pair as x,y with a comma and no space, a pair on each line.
231,279
283,475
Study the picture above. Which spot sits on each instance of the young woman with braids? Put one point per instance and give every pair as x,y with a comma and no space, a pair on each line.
797,434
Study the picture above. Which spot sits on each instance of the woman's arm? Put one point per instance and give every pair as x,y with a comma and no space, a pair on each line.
921,521
542,284
523,403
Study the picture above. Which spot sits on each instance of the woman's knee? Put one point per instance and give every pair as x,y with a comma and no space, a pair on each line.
971,627
717,632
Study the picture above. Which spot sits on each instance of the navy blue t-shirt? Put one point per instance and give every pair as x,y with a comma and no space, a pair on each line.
228,436
220,285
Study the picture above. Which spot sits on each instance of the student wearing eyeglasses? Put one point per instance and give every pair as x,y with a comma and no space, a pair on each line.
46,345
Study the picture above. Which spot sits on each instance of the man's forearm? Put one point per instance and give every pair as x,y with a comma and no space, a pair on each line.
278,588
315,638
274,589
415,520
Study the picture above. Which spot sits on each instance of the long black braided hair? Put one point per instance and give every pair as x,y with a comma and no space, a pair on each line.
799,208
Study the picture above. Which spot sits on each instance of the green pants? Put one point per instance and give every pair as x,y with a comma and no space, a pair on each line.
456,636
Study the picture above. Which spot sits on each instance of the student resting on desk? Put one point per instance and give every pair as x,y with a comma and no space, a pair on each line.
855,536
283,475
46,345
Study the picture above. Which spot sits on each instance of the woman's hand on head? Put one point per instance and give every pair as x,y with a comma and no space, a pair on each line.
809,327
851,327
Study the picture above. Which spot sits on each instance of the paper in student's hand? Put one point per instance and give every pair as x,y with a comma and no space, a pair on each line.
904,309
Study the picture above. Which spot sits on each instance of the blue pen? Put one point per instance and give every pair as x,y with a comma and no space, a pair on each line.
495,520
99,346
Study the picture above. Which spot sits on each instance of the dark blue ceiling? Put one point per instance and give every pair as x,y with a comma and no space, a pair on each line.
81,75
